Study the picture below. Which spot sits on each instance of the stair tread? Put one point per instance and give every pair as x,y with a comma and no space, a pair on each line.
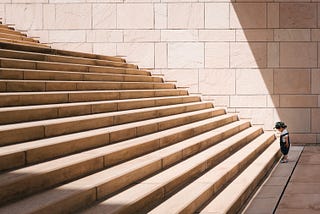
181,200
100,178
238,186
92,116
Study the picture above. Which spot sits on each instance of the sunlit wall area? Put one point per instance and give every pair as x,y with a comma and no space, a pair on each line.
259,58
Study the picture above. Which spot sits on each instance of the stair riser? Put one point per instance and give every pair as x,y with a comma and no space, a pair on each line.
50,130
38,99
10,31
199,202
72,76
242,201
21,86
27,64
16,116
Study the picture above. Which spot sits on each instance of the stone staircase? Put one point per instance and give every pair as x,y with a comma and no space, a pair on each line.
93,134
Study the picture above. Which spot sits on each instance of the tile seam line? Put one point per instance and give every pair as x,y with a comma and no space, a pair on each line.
288,181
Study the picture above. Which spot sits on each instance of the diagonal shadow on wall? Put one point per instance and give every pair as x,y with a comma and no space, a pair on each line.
276,55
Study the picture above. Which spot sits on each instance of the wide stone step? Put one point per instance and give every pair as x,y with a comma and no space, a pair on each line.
15,133
206,186
48,50
39,98
17,37
29,74
31,152
49,85
41,65
109,180
4,53
240,189
41,112
154,189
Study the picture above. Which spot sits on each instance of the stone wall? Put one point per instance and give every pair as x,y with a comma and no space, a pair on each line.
258,57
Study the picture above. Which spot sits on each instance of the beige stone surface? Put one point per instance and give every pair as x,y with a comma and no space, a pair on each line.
144,52
160,16
292,35
298,119
72,16
217,81
185,55
315,120
298,15
273,15
301,55
179,35
104,16
248,101
217,55
130,16
254,35
30,15
185,15
254,81
292,81
190,78
273,57
315,82
248,55
298,101
248,15
161,55
104,36
217,35
217,15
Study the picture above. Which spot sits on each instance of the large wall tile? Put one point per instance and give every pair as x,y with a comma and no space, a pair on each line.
104,36
315,120
160,16
217,55
67,36
297,119
292,35
298,101
298,15
135,16
217,81
73,16
185,55
179,35
109,49
273,54
254,81
104,16
254,35
161,55
217,15
273,15
298,55
292,81
248,55
186,15
258,116
248,101
248,15
24,16
141,36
